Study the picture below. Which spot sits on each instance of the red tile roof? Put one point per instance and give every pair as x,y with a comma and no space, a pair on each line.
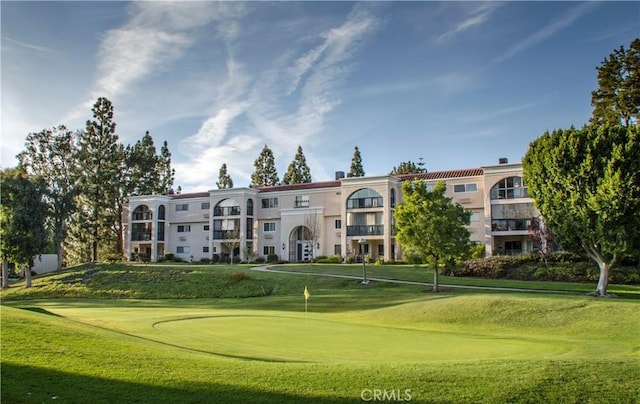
307,185
441,175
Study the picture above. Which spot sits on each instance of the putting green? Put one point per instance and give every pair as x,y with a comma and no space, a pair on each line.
283,338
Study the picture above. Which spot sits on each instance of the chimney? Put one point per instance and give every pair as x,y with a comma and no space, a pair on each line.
339,175
503,160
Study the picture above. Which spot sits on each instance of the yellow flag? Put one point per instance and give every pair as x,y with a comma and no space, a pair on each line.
306,294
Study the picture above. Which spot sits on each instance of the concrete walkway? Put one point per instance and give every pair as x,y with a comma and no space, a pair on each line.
269,269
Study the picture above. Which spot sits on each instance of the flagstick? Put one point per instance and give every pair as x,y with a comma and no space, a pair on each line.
305,313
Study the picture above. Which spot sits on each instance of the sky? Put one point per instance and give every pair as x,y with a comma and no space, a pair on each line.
456,84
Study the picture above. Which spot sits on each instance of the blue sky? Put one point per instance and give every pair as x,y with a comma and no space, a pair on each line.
459,84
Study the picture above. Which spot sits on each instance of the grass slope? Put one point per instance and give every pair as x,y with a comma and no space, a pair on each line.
449,347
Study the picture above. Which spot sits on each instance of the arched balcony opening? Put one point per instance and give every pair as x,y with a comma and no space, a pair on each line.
227,207
509,188
142,212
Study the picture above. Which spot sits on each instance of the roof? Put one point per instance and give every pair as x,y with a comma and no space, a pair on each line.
306,185
441,175
190,195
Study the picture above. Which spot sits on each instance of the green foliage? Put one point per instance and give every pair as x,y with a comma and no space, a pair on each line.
265,173
356,169
617,99
273,258
585,183
50,154
23,214
431,224
224,179
333,259
298,171
408,167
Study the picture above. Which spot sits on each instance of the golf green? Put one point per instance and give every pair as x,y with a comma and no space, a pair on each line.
300,339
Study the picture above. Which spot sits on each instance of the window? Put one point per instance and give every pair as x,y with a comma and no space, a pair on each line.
509,188
205,249
301,201
269,250
182,207
227,207
338,224
142,212
393,198
465,188
269,203
249,207
337,249
184,228
204,205
269,226
205,227
365,198
183,249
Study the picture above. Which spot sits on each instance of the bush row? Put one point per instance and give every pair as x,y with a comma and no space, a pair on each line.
530,267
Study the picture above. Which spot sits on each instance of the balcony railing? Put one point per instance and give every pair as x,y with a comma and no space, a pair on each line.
226,211
365,230
510,224
141,216
364,203
141,236
225,235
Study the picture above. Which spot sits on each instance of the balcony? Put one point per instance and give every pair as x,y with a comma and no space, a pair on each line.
141,236
365,230
365,203
510,224
141,216
225,235
226,211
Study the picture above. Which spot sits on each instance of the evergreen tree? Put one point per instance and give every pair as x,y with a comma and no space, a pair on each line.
143,163
99,166
356,165
167,173
408,167
298,172
617,99
23,214
224,179
50,154
265,173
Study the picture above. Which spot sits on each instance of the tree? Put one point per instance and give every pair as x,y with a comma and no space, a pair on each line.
265,174
167,173
586,184
23,214
298,172
312,230
617,99
541,238
356,165
431,224
143,163
224,179
408,167
100,164
50,154
231,242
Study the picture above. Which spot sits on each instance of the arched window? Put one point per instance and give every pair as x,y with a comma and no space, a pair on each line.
365,198
509,188
142,212
227,207
161,212
249,207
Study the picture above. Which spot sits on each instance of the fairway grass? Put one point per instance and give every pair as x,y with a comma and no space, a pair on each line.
352,340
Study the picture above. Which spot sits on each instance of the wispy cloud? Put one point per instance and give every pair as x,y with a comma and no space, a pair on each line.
30,46
474,18
291,97
548,30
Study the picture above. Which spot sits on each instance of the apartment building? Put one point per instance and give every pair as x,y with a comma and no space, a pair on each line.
347,217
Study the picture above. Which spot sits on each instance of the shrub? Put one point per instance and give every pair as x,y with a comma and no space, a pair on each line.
168,256
414,259
215,259
272,258
205,261
350,260
334,259
259,260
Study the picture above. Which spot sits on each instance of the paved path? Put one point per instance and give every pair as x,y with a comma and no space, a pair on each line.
270,269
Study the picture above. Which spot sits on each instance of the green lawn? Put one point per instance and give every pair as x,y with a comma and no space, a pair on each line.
456,346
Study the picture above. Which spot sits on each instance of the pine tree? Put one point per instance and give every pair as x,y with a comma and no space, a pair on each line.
408,167
143,162
617,99
224,179
167,173
265,173
298,172
356,165
100,168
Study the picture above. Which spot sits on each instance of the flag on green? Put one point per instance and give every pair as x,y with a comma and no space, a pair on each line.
306,293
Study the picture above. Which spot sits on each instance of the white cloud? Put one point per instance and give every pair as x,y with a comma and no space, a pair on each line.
29,46
476,17
548,30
